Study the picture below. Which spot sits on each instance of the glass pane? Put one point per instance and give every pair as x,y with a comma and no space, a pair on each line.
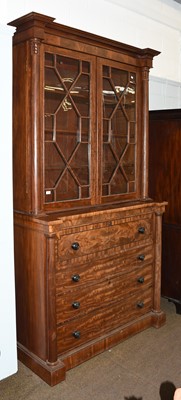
52,81
118,183
120,79
81,170
131,187
52,102
67,128
49,196
129,102
119,122
128,162
54,91
132,77
109,99
49,59
54,164
119,131
85,129
106,70
67,188
132,132
49,122
80,94
109,163
85,191
51,177
106,124
53,156
48,136
105,190
85,67
67,143
67,118
68,69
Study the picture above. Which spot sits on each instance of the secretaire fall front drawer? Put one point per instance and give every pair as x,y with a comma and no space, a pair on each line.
90,239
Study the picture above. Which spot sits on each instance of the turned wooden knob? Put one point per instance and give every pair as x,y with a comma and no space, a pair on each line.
75,246
76,278
76,334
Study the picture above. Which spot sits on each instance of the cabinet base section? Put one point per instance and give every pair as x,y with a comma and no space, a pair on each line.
54,374
50,373
113,338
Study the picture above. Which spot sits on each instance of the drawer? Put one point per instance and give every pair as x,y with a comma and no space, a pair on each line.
117,233
80,272
109,291
93,325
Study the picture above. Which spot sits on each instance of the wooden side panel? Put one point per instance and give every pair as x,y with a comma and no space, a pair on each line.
30,275
21,129
27,127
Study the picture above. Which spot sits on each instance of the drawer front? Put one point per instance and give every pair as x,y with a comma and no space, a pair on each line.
109,291
117,233
92,326
88,272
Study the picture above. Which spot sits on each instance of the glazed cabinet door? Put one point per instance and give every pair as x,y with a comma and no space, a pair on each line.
119,128
91,127
69,174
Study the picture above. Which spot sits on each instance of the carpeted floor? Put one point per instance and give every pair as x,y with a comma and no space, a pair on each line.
144,367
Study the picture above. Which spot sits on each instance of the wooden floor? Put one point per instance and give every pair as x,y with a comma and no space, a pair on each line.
144,367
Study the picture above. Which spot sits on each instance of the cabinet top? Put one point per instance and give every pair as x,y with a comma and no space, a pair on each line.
38,25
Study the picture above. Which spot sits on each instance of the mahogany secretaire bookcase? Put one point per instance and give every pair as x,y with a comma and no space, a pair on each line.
87,237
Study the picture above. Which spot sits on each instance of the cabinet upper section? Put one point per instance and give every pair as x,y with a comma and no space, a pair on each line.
44,28
80,118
